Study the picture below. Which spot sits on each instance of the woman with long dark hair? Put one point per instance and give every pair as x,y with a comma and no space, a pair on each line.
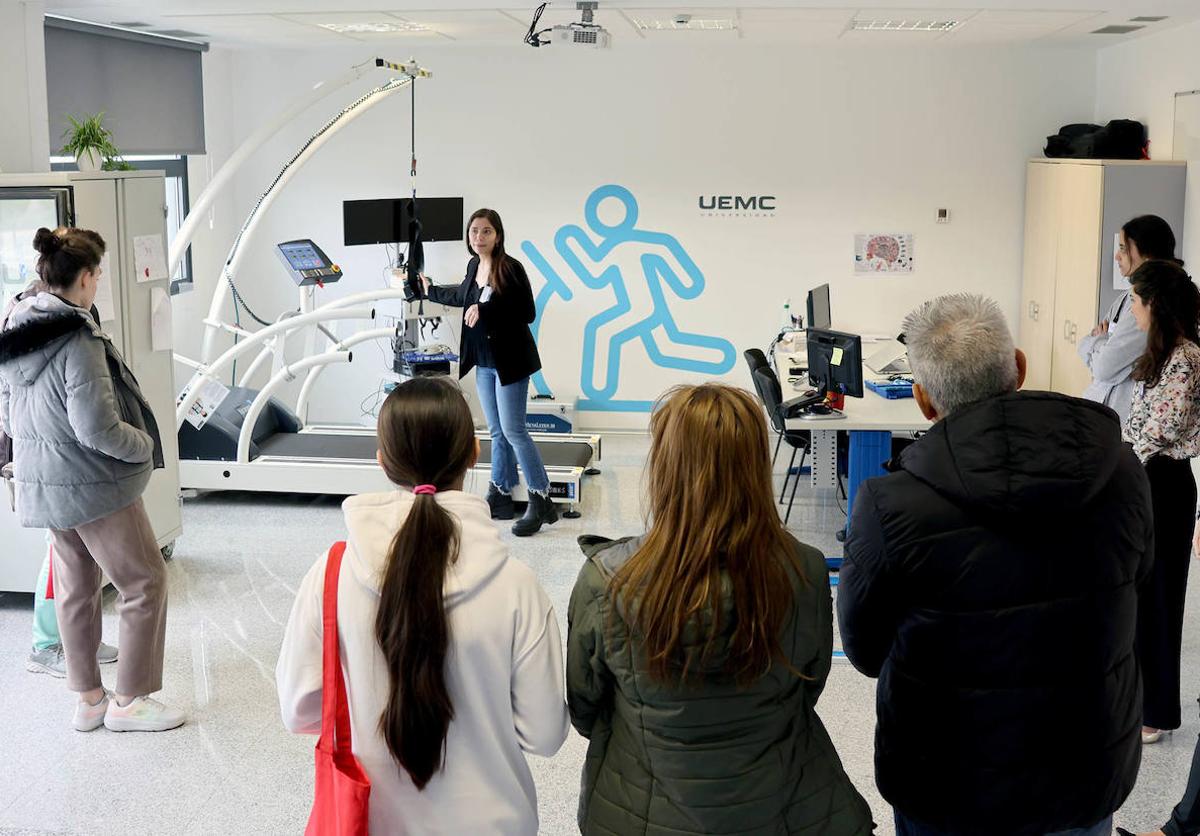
1164,428
498,308
450,648
1116,343
85,443
696,653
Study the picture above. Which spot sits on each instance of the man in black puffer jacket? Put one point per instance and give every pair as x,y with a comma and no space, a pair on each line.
990,583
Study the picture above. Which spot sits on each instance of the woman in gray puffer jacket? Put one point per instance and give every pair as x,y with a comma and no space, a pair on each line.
84,445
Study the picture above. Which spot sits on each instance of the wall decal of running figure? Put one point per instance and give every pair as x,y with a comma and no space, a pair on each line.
642,299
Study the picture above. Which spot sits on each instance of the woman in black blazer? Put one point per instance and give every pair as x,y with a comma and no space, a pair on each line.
498,307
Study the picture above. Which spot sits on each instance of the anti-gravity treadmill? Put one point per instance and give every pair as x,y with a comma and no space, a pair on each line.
288,457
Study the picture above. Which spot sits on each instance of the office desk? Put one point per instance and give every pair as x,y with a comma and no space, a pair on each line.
870,420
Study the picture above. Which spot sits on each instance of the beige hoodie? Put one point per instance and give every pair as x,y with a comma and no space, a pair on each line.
504,674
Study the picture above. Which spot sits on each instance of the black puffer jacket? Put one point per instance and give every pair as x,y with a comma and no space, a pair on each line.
990,584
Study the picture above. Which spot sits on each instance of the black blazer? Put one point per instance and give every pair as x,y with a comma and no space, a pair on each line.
505,317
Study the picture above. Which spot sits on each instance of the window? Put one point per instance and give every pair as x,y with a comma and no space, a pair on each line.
177,199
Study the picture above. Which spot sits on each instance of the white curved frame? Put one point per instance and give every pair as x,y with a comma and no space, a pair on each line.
282,376
202,204
314,373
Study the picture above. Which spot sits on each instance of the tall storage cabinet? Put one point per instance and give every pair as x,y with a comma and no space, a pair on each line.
122,207
1073,211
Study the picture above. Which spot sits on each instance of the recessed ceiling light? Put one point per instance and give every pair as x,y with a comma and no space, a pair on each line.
916,25
131,24
686,22
1119,29
1148,18
374,28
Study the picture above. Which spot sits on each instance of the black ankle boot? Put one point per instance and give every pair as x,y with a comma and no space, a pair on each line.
500,503
540,510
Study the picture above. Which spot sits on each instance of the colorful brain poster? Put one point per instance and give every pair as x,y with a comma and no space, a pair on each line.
883,253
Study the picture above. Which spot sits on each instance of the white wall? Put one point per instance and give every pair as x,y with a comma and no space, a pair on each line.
1139,80
848,140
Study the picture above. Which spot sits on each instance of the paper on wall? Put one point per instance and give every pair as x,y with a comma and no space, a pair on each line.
212,394
149,258
883,253
160,320
1119,281
104,292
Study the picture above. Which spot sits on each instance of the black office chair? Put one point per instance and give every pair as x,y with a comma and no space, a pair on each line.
756,360
771,394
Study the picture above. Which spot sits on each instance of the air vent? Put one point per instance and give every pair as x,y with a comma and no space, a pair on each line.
1120,29
176,33
912,25
1148,18
374,28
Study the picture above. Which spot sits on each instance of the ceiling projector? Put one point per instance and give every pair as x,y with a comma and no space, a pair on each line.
585,33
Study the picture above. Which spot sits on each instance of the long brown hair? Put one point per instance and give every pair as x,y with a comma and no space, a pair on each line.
1174,303
426,436
65,252
713,515
498,278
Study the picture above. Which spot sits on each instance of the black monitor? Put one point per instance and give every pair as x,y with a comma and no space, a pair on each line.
386,221
818,307
835,362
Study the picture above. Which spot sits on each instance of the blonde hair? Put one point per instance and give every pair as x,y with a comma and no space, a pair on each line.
712,514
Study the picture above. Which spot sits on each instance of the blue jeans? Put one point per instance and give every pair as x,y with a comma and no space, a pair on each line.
504,408
907,827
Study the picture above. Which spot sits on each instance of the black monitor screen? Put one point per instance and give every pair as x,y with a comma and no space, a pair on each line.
818,307
835,361
386,221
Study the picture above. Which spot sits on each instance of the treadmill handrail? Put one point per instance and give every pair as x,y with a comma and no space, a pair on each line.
245,436
315,371
340,310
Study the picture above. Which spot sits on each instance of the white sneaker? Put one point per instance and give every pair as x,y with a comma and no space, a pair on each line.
106,654
90,717
142,714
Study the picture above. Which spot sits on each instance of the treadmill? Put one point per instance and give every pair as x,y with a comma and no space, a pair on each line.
288,457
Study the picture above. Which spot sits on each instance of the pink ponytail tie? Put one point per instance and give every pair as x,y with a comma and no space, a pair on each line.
425,489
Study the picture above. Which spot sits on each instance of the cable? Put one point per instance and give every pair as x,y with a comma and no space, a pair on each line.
532,37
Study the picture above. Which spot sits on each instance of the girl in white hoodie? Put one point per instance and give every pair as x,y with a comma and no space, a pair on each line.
450,648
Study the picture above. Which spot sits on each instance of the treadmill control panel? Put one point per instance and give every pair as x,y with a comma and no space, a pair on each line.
306,263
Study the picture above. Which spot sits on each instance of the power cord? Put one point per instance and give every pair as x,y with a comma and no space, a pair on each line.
534,36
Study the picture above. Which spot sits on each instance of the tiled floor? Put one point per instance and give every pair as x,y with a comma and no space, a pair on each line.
233,769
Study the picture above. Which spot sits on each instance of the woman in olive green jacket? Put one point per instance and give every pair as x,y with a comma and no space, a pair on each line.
696,653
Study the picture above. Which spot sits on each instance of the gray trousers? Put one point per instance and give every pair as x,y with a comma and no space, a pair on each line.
121,545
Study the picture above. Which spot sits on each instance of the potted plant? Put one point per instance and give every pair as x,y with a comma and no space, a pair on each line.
89,142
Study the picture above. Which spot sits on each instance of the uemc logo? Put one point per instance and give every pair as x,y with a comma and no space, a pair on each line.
737,203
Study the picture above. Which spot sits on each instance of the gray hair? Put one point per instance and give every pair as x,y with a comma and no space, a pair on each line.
960,350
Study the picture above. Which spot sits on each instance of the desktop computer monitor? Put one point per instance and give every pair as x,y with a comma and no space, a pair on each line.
835,362
818,307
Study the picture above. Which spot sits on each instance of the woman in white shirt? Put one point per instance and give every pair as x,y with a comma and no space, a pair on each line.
1164,428
1116,343
450,648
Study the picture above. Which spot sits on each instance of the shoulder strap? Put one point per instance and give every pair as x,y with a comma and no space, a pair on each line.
335,709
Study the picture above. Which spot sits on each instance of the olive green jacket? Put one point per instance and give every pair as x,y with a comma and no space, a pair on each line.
709,757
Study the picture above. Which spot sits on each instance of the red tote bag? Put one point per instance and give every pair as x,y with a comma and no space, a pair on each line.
343,790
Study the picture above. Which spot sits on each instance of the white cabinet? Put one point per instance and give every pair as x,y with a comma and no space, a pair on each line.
1073,211
121,206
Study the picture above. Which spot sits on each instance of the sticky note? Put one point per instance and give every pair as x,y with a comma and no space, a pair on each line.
835,359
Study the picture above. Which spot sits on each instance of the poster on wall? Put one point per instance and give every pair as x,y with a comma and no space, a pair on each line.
883,252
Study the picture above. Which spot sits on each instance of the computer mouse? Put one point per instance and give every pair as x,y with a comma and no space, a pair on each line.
819,409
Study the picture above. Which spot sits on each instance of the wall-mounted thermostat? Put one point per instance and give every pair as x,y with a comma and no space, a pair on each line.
943,216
